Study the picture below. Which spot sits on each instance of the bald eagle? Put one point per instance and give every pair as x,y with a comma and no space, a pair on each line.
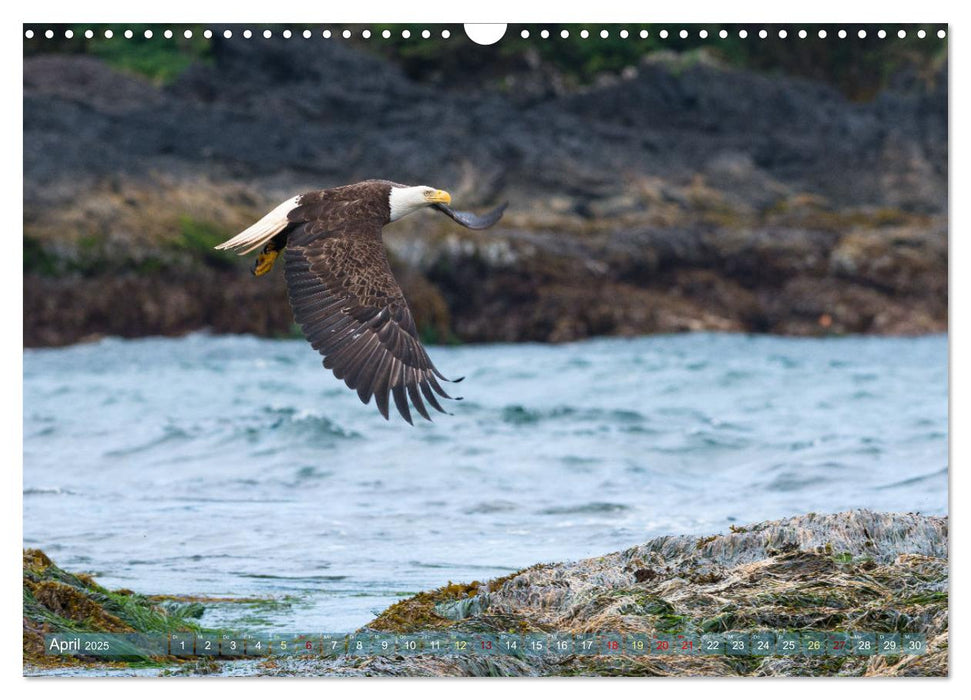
342,292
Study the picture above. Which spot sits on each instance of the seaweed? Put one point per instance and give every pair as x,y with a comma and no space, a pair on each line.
56,601
419,611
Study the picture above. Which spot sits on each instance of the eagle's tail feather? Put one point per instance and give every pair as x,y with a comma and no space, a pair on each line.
262,231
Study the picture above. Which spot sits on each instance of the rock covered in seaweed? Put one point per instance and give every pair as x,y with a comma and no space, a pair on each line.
56,601
852,571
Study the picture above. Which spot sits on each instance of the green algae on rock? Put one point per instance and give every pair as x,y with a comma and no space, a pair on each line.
56,601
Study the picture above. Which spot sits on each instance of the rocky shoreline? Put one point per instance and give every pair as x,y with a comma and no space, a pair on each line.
857,571
519,285
682,195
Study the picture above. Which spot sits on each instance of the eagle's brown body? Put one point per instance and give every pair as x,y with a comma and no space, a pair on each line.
343,294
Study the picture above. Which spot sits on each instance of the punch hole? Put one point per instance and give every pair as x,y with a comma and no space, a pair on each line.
485,34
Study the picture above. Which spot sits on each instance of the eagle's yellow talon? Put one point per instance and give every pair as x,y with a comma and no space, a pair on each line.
264,261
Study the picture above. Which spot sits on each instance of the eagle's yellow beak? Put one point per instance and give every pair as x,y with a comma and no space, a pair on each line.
438,197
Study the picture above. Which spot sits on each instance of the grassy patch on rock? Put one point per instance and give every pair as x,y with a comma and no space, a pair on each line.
160,60
199,239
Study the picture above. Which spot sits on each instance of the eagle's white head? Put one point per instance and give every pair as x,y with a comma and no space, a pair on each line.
405,200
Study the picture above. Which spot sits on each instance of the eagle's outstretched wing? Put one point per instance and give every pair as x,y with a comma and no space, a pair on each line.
351,309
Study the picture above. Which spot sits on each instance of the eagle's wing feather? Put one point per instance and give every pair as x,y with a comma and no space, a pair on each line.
351,309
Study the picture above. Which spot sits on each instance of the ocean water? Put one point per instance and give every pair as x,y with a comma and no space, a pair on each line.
237,466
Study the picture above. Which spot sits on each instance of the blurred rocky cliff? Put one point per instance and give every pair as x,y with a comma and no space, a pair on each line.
679,194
